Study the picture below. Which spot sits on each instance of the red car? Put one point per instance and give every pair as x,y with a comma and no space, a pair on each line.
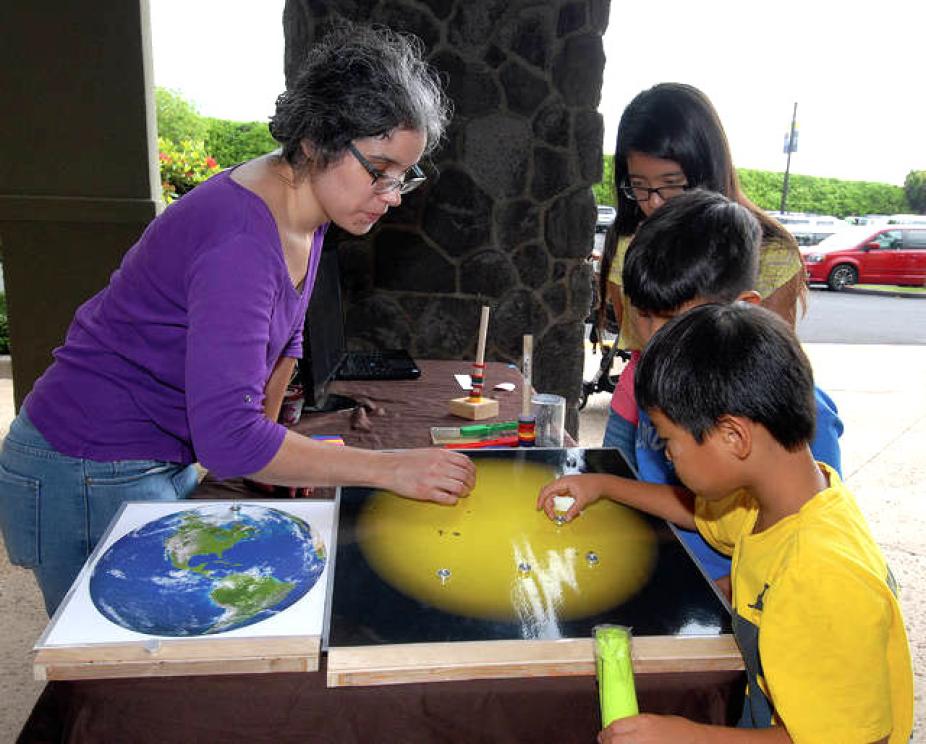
889,254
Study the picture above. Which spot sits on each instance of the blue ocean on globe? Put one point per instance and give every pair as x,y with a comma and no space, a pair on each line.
207,570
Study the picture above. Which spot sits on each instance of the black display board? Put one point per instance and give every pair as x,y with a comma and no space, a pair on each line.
676,600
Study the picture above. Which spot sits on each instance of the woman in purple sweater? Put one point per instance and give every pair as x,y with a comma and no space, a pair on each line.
185,355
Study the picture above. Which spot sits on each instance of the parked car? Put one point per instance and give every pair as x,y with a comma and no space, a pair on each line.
810,229
887,254
606,217
870,220
907,219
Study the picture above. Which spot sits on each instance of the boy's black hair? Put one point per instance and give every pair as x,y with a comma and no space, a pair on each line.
699,245
736,359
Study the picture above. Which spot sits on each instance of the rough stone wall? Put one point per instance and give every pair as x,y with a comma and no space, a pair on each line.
509,215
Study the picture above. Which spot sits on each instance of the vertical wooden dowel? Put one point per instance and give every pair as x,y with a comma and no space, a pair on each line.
483,332
478,376
526,372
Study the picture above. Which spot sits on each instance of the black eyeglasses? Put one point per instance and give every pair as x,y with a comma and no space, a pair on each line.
643,193
383,184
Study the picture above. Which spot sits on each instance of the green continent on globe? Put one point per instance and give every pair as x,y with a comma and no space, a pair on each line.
243,595
195,537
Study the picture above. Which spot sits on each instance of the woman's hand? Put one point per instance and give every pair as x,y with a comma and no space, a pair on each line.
431,475
584,489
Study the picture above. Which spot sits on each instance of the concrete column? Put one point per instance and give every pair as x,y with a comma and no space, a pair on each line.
78,167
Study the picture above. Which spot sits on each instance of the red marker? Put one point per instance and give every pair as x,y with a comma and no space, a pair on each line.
500,442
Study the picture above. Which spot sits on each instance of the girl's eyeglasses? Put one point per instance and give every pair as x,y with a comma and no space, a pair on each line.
643,193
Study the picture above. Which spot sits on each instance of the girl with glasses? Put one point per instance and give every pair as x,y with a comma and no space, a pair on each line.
186,354
670,139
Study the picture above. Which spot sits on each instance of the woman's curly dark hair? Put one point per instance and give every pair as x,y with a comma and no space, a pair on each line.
358,81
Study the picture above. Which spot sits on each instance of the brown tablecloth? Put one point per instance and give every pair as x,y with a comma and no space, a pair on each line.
405,410
298,708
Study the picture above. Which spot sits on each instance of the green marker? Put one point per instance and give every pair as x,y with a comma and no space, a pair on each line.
449,434
616,692
476,430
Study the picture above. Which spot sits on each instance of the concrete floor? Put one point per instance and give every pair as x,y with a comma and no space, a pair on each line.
881,395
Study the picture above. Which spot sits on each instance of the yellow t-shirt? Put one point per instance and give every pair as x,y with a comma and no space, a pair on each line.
816,618
777,266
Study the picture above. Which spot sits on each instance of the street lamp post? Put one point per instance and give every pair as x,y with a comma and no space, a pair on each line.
790,146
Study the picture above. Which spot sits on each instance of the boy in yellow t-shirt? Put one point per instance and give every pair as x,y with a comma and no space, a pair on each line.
816,617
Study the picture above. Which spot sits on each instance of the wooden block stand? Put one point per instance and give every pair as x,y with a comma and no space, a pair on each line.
476,410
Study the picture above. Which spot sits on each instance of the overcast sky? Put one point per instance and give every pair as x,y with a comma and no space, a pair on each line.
855,71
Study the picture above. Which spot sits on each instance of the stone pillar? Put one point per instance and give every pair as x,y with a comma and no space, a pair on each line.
78,172
510,216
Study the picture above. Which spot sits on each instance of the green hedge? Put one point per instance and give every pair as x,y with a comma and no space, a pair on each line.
811,193
823,195
233,142
178,119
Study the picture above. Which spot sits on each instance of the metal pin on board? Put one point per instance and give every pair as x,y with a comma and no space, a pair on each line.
591,558
444,575
524,569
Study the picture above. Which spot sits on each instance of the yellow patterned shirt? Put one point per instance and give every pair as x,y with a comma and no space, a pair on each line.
778,264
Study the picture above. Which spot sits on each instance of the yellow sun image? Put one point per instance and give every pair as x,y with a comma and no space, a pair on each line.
495,556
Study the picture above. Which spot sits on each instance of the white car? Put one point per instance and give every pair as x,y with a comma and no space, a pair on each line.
606,217
810,229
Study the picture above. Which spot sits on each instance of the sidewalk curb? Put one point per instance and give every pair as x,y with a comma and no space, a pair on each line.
885,293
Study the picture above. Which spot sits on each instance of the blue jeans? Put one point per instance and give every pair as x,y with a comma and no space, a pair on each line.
54,508
620,433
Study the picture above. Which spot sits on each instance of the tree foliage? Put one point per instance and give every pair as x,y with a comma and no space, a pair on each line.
915,188
604,189
178,119
233,142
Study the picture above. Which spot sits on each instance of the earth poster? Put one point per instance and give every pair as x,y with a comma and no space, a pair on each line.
207,570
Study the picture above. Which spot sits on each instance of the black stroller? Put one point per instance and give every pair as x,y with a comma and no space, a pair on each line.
604,379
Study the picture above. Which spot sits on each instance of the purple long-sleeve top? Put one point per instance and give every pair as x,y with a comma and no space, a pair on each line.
170,360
